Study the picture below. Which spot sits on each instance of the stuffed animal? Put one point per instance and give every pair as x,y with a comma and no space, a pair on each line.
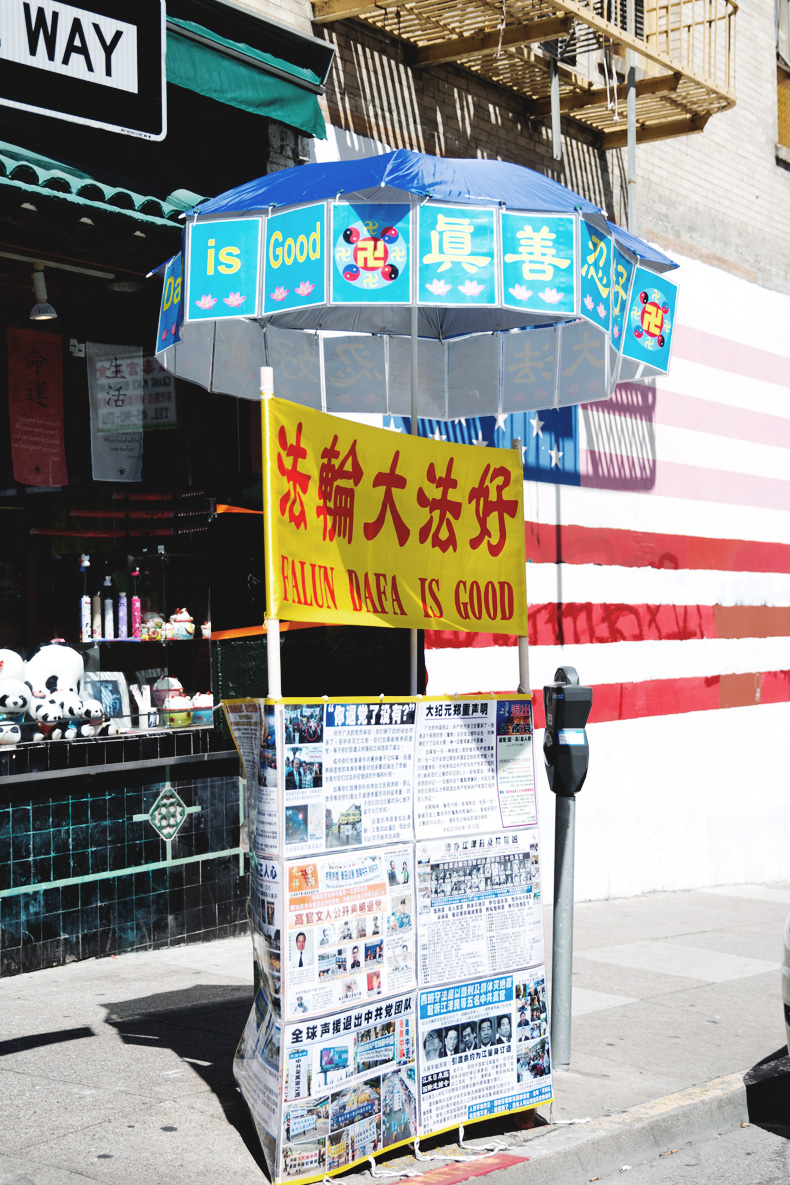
10,734
15,699
11,665
54,667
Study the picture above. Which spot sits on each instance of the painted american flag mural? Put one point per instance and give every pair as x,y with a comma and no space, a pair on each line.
658,547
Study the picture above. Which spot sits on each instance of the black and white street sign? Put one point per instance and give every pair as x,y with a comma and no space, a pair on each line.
100,64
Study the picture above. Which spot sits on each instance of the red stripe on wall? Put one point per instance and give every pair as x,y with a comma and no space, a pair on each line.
663,406
723,354
549,544
585,622
669,697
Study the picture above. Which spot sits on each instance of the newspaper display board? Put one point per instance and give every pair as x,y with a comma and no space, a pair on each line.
394,847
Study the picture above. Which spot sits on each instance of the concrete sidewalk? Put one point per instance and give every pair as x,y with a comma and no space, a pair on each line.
119,1070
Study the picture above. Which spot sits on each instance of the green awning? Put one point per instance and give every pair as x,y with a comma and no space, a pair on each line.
240,76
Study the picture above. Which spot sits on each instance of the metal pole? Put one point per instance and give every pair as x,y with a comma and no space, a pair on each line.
556,124
273,668
631,123
562,936
523,643
415,431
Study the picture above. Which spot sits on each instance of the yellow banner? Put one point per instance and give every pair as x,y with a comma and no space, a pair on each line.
368,527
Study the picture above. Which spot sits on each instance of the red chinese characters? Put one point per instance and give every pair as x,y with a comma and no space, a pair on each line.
292,500
489,502
336,491
447,509
391,480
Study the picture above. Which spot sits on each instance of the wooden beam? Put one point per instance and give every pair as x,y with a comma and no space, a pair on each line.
597,95
338,10
488,42
657,131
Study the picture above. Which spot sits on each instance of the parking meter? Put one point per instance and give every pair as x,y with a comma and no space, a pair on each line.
565,749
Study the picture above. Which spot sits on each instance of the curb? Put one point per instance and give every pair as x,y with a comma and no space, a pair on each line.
629,1137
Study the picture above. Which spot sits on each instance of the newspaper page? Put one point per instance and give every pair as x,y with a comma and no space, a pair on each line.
369,749
350,931
477,1059
252,725
515,766
256,1068
348,1086
473,766
347,774
266,915
478,906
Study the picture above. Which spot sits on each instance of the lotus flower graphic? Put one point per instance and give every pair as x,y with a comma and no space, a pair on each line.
588,302
279,293
550,296
520,291
470,288
174,328
616,332
601,311
164,335
304,289
234,299
206,302
438,287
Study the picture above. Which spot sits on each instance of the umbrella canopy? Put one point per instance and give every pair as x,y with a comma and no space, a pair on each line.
519,289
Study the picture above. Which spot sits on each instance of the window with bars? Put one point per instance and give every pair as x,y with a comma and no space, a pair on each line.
783,73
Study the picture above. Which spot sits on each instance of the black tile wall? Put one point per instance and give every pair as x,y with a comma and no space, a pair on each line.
75,875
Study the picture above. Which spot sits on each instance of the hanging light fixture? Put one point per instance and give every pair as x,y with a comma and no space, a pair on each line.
42,310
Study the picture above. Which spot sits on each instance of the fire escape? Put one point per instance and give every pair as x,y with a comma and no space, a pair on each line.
627,71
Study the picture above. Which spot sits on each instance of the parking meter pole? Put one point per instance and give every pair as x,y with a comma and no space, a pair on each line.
562,937
566,753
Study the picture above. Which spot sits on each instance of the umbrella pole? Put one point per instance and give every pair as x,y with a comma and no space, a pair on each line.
415,431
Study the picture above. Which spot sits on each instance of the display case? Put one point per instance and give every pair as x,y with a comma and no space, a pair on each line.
124,595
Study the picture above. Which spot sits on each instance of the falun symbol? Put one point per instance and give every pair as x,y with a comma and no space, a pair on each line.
651,320
369,254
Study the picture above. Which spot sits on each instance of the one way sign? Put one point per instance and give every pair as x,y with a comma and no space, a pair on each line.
102,65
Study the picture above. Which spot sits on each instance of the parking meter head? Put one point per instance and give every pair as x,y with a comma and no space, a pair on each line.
566,753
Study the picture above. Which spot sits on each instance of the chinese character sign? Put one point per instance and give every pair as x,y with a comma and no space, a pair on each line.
117,401
457,256
368,527
371,245
294,275
35,407
647,333
170,308
224,269
539,262
595,275
622,272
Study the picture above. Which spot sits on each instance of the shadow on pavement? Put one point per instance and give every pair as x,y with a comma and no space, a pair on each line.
768,1093
202,1025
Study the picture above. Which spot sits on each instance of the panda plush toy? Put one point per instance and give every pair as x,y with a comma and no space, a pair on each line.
53,673
14,697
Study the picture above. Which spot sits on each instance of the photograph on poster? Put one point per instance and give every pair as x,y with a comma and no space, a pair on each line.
303,765
531,1010
303,724
303,1160
343,825
308,1120
398,1107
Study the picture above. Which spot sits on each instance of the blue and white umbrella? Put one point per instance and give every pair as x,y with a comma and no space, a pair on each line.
520,293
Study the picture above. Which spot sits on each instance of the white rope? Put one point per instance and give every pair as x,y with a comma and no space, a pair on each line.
375,1171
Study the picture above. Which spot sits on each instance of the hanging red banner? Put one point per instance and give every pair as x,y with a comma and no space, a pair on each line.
35,407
